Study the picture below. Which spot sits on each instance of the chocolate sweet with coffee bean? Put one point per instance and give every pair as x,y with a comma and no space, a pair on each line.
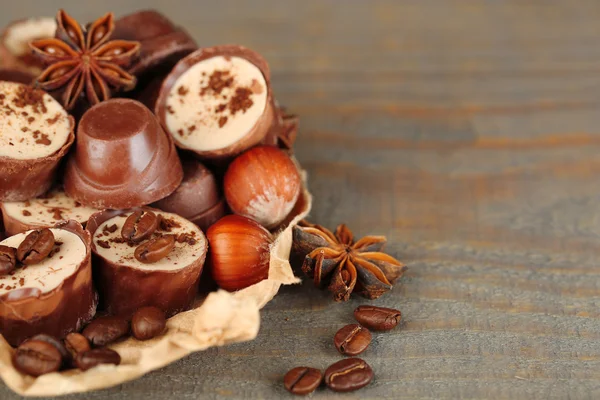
146,257
49,290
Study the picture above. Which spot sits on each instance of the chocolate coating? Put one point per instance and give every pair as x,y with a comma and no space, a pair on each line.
123,289
260,129
197,198
162,43
25,179
122,159
27,312
16,75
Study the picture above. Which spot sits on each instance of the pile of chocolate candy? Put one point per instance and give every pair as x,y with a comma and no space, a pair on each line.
127,155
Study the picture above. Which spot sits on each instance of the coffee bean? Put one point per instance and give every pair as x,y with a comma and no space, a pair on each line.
352,339
148,322
105,330
377,318
36,357
302,380
348,375
154,249
139,226
91,358
76,343
56,343
36,246
8,259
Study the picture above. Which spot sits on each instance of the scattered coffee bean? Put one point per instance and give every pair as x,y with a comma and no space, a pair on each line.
8,259
65,355
302,380
377,318
36,357
352,339
348,375
105,330
148,322
155,249
91,358
139,226
76,343
36,246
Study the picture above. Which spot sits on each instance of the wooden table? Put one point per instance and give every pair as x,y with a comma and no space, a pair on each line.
468,132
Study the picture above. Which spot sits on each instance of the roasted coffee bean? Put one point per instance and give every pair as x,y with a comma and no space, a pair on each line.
377,318
154,249
36,246
302,380
36,357
148,322
139,226
91,358
105,330
8,259
56,343
352,339
76,343
348,375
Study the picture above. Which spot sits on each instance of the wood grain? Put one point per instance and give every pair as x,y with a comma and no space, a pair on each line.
469,133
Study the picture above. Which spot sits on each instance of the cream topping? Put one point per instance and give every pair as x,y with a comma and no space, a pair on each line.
32,124
48,210
109,244
215,103
50,273
21,33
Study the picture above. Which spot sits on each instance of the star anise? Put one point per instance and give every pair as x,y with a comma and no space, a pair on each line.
81,59
345,265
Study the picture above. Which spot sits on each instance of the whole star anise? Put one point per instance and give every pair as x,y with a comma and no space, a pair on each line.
81,59
344,265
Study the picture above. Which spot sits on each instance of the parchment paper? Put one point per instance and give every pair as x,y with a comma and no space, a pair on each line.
219,319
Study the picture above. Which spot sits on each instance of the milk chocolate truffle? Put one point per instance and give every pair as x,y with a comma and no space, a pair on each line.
123,158
217,101
43,211
162,43
197,198
35,133
54,296
14,43
127,282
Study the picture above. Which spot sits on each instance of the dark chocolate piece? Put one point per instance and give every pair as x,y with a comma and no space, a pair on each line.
122,159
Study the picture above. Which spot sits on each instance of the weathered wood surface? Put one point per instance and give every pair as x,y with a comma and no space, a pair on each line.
469,133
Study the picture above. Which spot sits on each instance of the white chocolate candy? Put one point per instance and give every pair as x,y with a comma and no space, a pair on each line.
48,210
180,257
19,34
32,124
52,271
215,103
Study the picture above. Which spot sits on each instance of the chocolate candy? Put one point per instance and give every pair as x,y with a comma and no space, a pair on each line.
162,43
14,44
166,278
197,198
217,101
122,159
36,134
16,75
55,296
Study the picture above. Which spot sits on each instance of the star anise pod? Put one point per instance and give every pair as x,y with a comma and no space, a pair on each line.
83,59
345,265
